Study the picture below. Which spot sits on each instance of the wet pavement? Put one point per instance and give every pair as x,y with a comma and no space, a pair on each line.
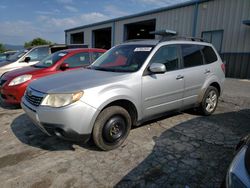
179,150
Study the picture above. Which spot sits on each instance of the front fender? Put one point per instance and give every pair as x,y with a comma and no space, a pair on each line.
103,97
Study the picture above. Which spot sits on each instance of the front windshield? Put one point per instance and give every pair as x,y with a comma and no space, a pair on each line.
123,58
51,59
17,55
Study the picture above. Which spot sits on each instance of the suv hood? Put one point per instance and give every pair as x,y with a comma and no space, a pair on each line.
76,80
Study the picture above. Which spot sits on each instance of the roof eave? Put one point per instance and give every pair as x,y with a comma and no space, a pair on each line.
180,5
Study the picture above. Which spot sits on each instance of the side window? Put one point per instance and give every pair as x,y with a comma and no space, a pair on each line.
78,60
38,54
167,55
33,55
43,52
191,55
214,37
209,54
95,55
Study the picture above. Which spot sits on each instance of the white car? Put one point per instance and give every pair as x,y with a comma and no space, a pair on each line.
27,57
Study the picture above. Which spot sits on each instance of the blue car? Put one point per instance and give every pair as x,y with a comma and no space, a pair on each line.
238,175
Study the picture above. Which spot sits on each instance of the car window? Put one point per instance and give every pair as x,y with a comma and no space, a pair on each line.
95,55
51,59
77,60
168,56
209,54
17,55
38,54
191,55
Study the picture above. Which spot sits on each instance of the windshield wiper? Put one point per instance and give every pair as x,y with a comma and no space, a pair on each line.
37,66
110,70
100,68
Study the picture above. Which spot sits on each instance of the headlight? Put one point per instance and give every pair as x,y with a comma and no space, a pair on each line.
20,79
60,100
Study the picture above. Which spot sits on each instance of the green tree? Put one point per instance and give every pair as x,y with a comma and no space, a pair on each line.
37,42
2,48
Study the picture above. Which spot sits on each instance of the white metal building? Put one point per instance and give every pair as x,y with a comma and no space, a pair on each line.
225,23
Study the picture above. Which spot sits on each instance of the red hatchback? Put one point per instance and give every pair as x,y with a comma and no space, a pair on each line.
13,84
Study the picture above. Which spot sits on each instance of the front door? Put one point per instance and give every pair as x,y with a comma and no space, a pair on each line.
163,92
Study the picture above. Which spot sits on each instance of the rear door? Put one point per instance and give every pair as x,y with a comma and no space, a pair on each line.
194,70
163,92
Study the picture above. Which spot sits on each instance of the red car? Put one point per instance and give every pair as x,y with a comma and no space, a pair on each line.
13,84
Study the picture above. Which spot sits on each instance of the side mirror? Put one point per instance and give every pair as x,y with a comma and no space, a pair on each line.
64,66
157,68
27,59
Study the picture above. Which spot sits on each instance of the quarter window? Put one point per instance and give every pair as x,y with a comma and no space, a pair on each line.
168,56
209,54
78,60
191,55
214,37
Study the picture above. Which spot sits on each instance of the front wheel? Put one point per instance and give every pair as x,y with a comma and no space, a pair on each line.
209,101
111,128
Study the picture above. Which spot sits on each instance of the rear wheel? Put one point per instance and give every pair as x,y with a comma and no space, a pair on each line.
210,101
111,128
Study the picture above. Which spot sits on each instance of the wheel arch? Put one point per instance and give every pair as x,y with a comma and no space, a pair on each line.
217,86
127,105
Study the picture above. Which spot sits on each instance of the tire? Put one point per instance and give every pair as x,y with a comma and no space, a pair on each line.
209,101
111,128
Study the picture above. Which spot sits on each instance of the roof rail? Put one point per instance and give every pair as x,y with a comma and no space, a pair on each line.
136,40
182,38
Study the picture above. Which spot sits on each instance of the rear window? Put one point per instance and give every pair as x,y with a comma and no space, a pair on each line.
191,55
209,54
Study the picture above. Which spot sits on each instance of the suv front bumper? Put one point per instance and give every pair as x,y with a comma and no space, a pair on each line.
73,122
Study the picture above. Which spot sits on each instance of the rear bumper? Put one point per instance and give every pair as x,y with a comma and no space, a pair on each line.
73,122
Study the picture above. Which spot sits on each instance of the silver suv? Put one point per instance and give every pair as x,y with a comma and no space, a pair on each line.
128,85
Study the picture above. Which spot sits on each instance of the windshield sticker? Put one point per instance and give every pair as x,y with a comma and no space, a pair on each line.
143,49
61,54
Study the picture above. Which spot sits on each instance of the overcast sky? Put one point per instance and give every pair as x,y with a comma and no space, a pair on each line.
23,20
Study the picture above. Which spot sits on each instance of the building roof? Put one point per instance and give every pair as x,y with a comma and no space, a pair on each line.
188,3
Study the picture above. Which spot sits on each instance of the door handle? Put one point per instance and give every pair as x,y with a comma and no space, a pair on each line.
179,77
207,71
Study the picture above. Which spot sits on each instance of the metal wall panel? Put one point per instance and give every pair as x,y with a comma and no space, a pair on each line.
180,20
226,15
87,33
237,65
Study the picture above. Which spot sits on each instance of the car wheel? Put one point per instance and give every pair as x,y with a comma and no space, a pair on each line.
209,101
111,128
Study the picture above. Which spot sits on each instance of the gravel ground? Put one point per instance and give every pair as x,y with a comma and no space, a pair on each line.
181,150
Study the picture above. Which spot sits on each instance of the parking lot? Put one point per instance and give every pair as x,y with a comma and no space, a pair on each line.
180,150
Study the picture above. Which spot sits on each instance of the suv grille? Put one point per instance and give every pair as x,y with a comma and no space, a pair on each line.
2,82
33,97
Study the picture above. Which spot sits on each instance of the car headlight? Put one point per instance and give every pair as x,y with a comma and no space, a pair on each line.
60,100
20,79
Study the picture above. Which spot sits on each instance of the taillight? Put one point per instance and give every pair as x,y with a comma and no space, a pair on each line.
223,67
